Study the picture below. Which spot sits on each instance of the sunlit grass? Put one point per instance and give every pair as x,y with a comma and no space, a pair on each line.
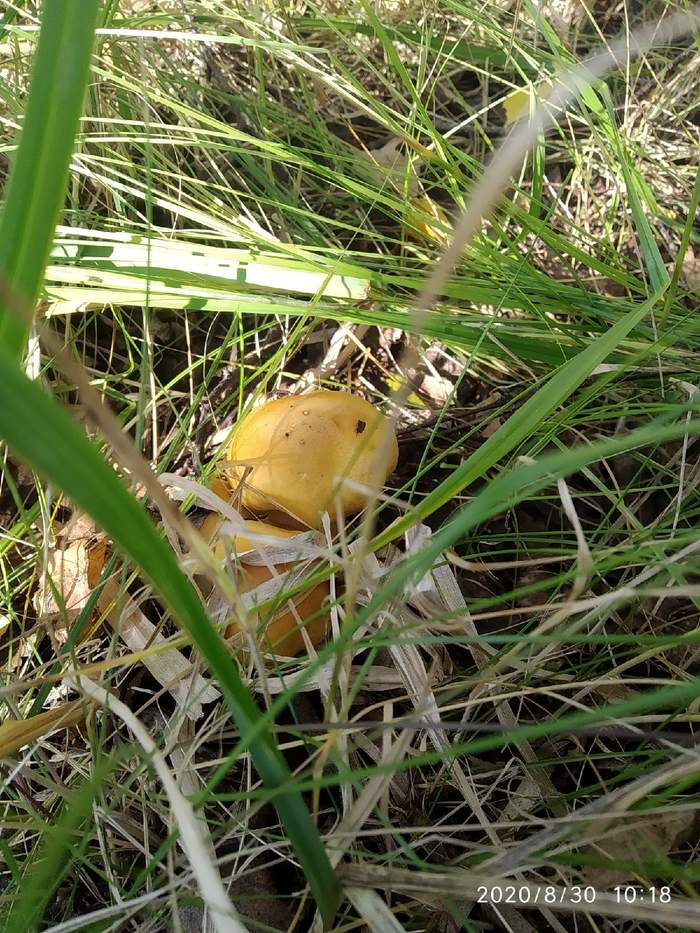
559,338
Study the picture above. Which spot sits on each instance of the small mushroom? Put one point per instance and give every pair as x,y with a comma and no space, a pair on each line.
281,622
291,453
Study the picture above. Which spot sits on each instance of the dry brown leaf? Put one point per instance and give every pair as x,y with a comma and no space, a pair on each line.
98,554
565,16
491,427
73,570
431,386
636,839
517,103
615,692
417,220
71,574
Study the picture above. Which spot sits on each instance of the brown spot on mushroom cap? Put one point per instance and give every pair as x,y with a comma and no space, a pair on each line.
290,458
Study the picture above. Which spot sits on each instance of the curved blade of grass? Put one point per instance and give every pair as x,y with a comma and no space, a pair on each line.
47,438
38,180
468,332
459,49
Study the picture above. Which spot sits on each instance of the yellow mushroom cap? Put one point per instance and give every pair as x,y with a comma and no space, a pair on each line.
280,630
291,452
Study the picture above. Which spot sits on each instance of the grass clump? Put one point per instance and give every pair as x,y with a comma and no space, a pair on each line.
255,199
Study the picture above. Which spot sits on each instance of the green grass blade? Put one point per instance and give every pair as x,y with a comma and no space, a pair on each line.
653,261
73,637
683,245
45,436
38,180
509,488
672,698
458,49
596,97
526,479
110,263
525,420
60,846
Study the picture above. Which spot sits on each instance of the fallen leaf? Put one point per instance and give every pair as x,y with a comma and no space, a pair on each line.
491,427
419,217
79,527
64,589
615,692
432,386
517,103
565,16
98,553
72,572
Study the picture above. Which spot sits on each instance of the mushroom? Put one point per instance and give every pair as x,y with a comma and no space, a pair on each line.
281,623
291,454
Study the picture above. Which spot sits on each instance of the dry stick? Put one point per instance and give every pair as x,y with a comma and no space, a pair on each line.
490,566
